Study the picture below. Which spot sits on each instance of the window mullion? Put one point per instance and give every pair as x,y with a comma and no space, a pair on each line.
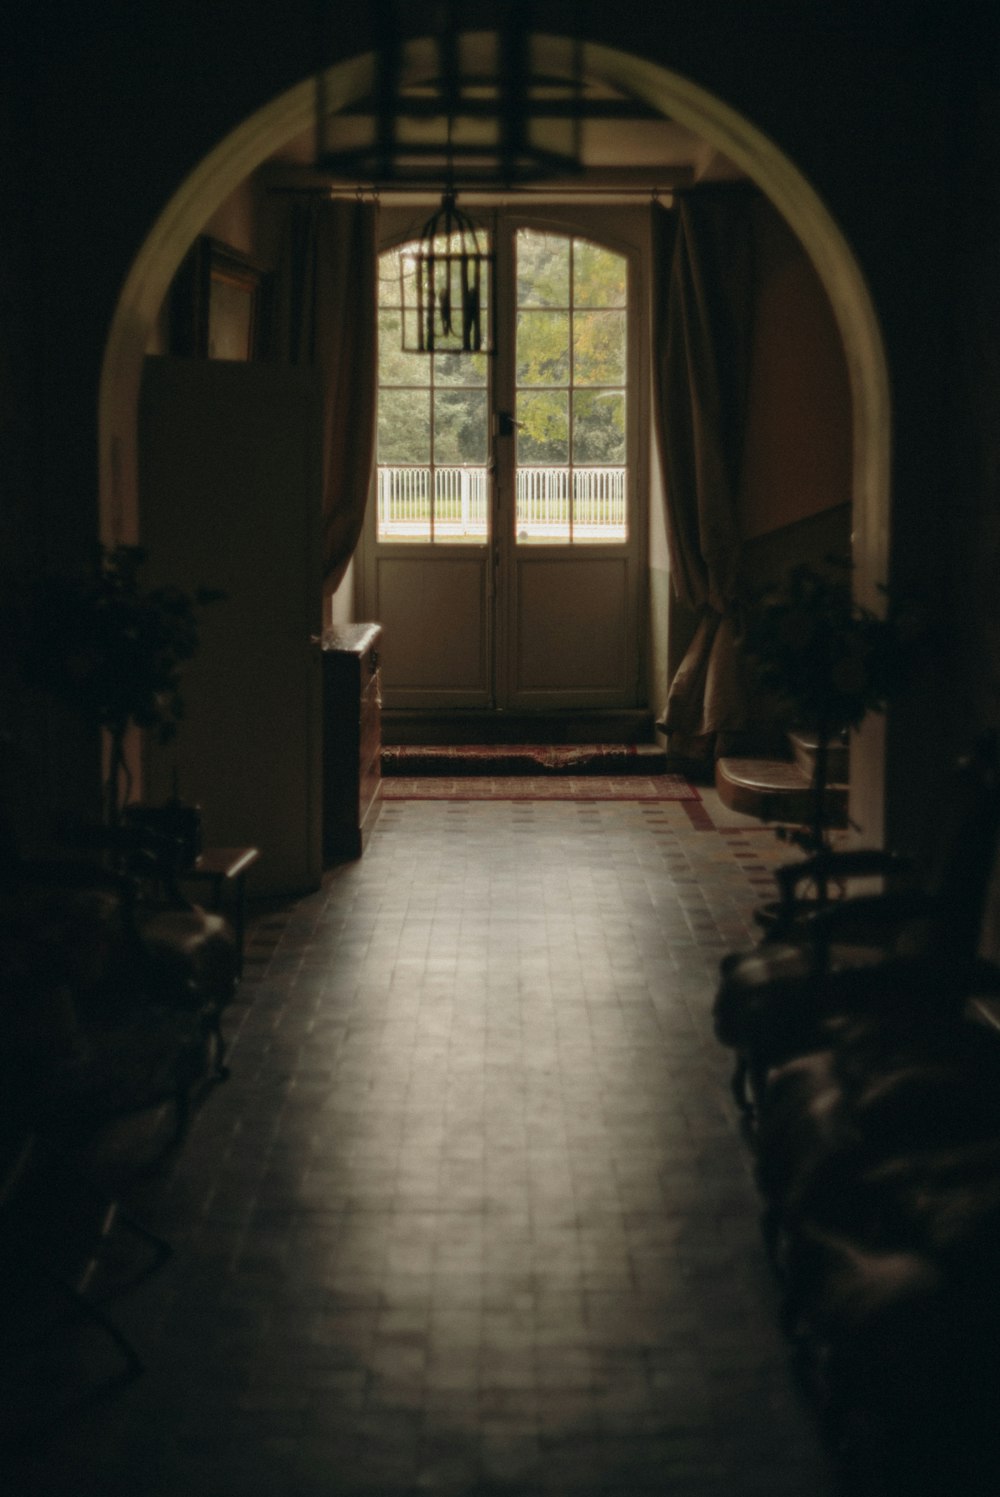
432,476
570,484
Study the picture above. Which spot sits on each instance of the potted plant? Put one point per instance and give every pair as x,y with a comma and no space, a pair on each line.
826,662
111,651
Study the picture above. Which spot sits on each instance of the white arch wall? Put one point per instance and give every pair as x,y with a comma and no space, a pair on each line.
287,116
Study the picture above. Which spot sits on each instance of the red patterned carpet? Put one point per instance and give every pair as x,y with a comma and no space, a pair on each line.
530,771
538,787
534,759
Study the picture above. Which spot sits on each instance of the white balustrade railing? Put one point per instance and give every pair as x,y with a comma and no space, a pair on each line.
542,501
598,509
544,510
404,502
599,500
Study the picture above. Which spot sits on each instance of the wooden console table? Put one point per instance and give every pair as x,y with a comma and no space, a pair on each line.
352,738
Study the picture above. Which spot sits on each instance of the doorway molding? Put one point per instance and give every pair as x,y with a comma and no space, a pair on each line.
291,113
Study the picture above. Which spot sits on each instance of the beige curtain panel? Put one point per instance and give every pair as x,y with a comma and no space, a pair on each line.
702,329
327,317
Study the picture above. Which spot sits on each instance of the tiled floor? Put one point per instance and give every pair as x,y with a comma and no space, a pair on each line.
472,1215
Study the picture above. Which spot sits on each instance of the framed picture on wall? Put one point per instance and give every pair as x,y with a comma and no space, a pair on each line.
219,304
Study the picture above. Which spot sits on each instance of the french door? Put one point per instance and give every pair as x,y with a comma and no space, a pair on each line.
504,541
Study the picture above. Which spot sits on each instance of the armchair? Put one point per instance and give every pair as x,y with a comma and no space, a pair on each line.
886,957
112,990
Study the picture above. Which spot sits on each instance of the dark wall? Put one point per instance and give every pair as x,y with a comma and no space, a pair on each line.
109,105
796,460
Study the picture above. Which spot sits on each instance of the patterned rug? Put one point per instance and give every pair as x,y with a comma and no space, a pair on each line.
649,787
534,759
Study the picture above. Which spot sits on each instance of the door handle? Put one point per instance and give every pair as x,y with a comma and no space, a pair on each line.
506,424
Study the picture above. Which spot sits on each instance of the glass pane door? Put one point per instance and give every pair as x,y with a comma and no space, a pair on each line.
504,562
571,369
433,430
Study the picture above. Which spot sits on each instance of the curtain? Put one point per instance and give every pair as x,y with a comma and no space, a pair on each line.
703,303
327,318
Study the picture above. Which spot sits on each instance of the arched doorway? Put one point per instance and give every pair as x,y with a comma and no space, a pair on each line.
690,105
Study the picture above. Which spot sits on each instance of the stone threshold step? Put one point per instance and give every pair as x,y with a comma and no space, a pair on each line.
535,759
775,790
